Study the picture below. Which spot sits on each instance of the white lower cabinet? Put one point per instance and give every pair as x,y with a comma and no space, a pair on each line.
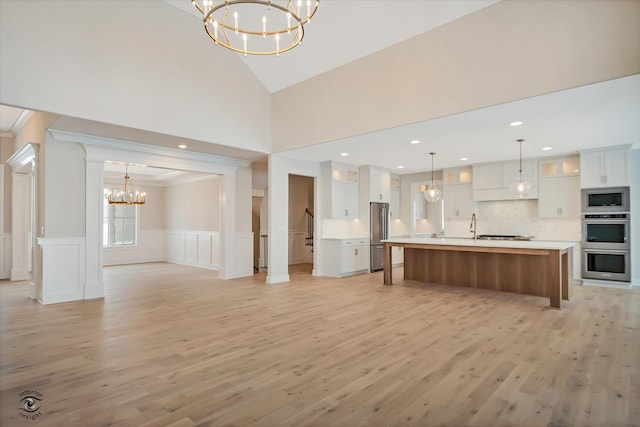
344,257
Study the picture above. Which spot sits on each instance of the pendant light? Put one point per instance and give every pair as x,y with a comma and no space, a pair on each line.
521,187
432,194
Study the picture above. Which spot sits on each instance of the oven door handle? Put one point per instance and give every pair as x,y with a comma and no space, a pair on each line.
605,251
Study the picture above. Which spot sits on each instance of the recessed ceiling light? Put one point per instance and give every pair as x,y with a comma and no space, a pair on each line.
401,167
547,148
182,146
415,141
515,123
344,154
464,158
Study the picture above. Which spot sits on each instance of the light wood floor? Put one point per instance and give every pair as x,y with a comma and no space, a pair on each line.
173,346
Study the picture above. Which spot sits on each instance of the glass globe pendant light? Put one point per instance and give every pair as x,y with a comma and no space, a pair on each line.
521,187
432,194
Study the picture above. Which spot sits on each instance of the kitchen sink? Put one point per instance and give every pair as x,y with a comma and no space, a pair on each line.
503,237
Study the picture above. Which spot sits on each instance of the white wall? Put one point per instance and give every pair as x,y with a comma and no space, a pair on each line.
243,199
193,206
463,66
65,189
121,62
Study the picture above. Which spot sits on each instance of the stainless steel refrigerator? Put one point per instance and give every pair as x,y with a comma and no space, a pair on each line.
379,230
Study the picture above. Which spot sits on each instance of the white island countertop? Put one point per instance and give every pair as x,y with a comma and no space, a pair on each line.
515,244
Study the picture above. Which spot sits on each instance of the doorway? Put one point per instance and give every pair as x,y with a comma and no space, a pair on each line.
301,224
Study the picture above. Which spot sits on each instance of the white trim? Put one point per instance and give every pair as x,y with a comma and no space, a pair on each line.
277,279
5,256
193,248
23,157
111,146
94,216
3,202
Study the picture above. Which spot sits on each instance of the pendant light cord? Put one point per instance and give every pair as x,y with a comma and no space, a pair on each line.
520,170
432,154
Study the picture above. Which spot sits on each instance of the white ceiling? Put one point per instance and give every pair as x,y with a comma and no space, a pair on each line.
142,174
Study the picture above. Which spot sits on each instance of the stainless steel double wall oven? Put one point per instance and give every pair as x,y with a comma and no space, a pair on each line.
606,234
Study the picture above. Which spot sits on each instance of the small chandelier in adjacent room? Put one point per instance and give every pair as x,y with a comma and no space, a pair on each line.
256,27
432,194
521,187
126,196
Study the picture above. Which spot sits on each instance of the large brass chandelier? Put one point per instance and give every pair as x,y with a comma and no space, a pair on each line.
126,196
256,27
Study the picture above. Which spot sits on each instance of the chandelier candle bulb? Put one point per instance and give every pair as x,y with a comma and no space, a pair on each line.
285,18
125,196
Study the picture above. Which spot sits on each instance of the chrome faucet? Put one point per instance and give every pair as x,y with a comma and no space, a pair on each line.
473,227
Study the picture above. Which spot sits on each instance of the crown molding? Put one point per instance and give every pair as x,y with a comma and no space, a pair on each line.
101,149
23,157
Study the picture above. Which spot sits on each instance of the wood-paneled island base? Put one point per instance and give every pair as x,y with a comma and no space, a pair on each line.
540,268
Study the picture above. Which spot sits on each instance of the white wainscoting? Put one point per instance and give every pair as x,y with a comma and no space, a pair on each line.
150,247
63,269
298,252
5,256
194,248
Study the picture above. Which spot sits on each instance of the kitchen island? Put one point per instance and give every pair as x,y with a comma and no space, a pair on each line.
540,268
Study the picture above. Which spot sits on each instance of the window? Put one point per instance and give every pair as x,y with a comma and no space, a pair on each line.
120,224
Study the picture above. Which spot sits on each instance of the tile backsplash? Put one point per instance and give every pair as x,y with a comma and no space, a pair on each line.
519,217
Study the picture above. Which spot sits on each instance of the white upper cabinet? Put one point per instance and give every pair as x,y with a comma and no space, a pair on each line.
340,190
559,187
492,181
604,168
457,193
559,166
559,197
376,182
457,176
458,201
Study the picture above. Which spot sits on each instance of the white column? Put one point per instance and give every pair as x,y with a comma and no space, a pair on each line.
20,225
278,218
94,284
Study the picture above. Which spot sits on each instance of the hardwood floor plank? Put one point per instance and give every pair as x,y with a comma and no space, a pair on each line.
174,345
